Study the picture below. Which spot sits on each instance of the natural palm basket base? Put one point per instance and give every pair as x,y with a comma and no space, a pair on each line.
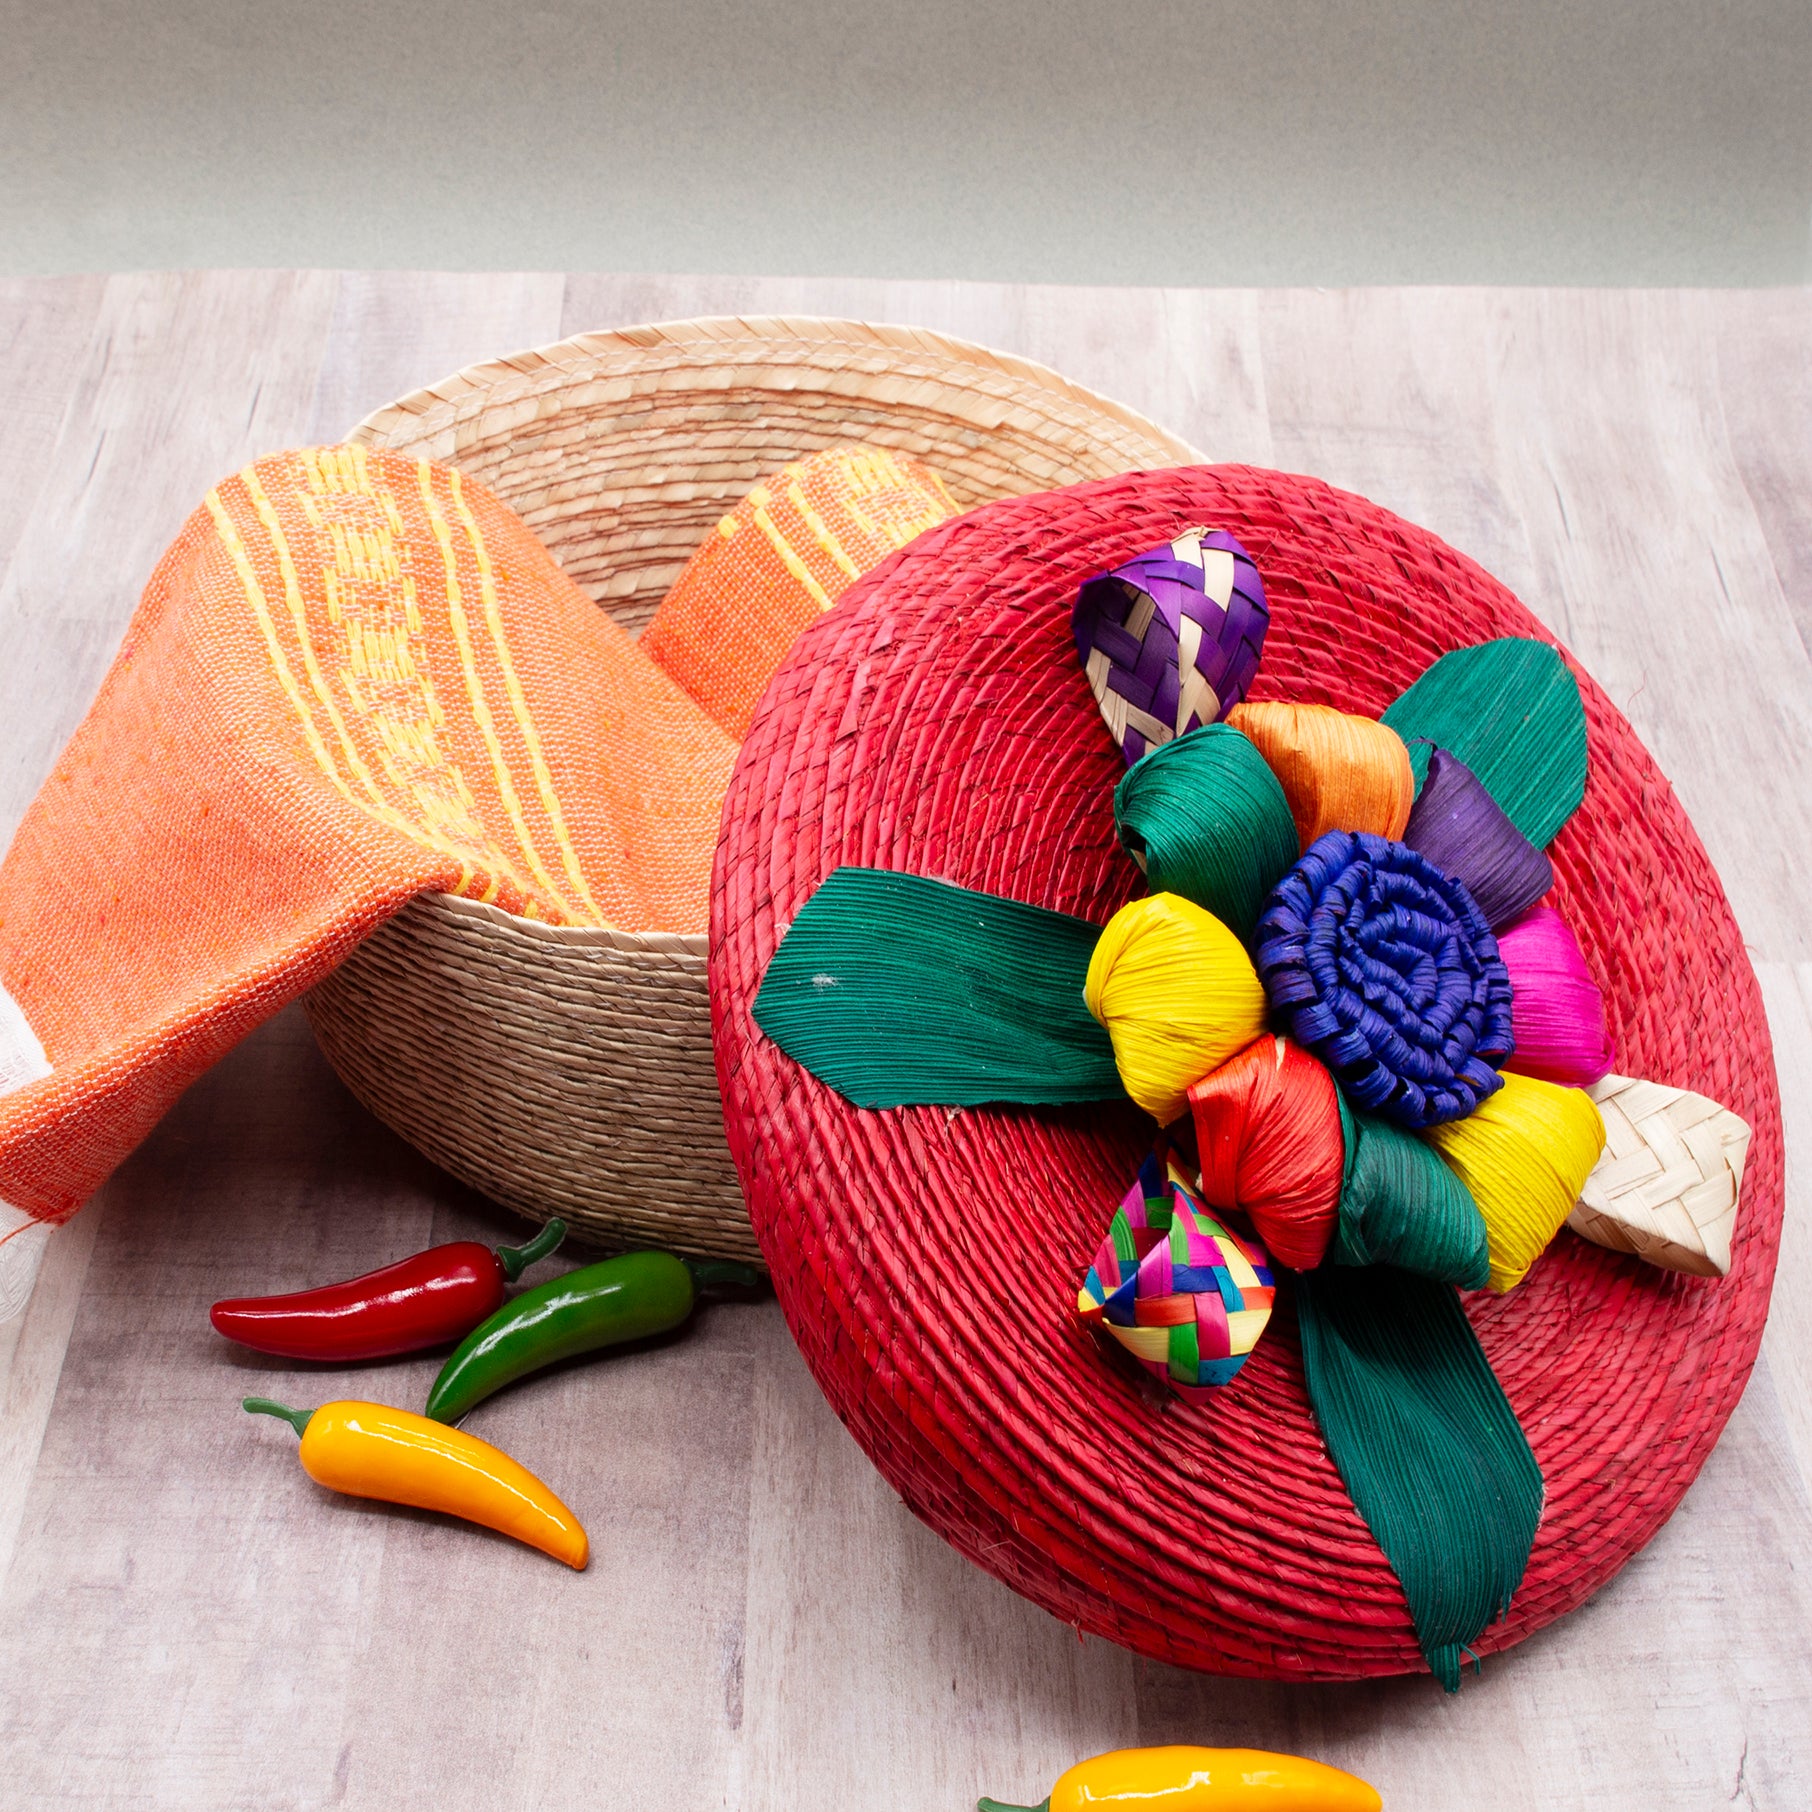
927,1260
568,1071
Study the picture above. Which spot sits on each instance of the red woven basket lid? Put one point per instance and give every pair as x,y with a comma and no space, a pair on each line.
938,722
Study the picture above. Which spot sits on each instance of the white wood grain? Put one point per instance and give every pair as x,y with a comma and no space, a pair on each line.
397,331
32,1346
193,1624
182,380
45,330
1765,383
881,1668
1616,453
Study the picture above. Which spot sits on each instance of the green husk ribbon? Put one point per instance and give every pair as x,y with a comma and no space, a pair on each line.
1511,711
898,990
1426,1443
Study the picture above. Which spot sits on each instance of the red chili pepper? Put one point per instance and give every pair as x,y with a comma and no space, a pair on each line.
436,1296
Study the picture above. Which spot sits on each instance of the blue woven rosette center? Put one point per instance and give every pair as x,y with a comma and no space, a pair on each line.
1384,966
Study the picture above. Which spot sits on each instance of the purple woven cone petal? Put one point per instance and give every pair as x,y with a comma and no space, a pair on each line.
1385,968
1462,830
1170,640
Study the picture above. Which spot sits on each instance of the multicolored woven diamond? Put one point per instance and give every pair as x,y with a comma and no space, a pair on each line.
1170,640
1184,1295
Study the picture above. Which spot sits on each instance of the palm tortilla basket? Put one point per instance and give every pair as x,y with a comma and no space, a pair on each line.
567,1070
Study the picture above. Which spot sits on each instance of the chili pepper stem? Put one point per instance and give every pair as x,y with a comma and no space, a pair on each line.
517,1259
713,1273
298,1419
997,1805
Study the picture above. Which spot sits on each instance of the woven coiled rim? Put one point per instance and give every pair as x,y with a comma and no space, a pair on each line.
937,722
542,368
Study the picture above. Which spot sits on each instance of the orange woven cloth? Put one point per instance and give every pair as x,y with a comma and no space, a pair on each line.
354,678
781,558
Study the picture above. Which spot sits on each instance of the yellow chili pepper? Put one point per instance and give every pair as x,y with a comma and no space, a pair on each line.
369,1450
1182,1778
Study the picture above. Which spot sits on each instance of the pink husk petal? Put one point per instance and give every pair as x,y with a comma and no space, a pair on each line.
1557,1009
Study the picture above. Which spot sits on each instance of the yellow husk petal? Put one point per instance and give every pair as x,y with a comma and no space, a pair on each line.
1524,1154
1178,996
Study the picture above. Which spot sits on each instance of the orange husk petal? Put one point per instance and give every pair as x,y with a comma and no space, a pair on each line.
1338,771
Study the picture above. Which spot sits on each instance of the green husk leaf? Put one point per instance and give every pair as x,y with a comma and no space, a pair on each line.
1206,817
1511,711
899,991
1427,1445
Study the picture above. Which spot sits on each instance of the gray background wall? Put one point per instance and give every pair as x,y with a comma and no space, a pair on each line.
1146,141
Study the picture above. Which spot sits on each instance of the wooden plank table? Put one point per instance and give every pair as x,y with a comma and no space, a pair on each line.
186,1622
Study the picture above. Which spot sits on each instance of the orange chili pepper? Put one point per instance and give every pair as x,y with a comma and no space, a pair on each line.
1182,1778
370,1450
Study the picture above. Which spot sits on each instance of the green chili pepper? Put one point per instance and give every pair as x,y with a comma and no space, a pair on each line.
600,1305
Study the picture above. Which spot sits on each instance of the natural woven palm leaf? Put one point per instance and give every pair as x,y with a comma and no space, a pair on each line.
571,1073
1666,1186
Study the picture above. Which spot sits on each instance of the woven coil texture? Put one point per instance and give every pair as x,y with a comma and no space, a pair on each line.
937,722
596,1099
591,1096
